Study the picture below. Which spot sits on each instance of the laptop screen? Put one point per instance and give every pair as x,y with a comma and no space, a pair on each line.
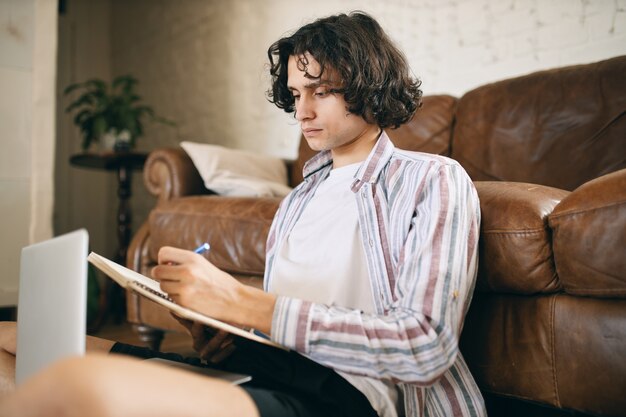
51,311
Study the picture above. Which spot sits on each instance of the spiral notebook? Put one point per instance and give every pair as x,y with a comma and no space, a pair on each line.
149,288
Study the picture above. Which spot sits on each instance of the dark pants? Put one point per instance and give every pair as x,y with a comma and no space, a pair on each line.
283,383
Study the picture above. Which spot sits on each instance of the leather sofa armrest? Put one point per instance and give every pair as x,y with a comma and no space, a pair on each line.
170,173
236,227
589,233
515,246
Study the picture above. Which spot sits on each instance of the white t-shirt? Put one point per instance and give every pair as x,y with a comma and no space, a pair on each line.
322,260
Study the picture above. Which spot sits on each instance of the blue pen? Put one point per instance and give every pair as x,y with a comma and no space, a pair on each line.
202,248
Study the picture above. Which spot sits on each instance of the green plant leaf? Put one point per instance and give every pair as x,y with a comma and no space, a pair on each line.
98,84
72,87
82,117
99,126
164,121
87,99
103,106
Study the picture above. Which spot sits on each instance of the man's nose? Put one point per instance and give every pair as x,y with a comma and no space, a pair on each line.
304,109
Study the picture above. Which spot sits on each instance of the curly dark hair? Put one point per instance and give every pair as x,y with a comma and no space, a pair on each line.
375,77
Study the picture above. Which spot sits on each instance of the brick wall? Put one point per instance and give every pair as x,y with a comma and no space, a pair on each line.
458,45
201,62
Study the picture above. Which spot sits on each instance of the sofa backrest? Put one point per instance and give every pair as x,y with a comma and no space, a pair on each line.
560,127
430,129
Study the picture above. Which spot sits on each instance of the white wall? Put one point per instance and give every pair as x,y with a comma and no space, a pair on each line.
203,62
27,112
457,45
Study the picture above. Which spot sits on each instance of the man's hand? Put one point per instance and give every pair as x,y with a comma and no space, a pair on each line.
194,282
212,345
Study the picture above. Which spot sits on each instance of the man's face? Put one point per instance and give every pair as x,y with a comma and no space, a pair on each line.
323,115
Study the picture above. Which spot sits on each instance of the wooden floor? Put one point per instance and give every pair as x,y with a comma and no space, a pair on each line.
123,332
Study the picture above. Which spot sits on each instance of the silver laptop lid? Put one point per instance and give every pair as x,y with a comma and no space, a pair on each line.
51,311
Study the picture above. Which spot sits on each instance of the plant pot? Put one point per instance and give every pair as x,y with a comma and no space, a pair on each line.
112,141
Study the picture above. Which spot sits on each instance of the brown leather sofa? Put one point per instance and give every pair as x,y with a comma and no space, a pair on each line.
546,332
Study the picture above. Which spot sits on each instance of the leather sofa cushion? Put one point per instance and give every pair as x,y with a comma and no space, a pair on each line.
236,228
508,344
589,354
561,350
560,127
515,253
430,128
589,233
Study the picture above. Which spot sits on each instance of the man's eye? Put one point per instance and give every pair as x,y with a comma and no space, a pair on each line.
321,93
296,98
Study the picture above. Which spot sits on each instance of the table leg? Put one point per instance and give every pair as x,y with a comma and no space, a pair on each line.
123,213
124,220
112,297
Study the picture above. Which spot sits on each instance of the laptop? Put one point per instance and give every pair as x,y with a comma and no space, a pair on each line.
52,302
52,308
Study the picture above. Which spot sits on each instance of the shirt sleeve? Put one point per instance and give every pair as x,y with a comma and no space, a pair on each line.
416,339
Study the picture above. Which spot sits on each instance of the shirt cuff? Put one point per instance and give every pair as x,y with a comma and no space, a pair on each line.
291,322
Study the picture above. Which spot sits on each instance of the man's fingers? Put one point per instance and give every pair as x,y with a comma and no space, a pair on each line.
223,353
215,344
171,255
197,330
166,272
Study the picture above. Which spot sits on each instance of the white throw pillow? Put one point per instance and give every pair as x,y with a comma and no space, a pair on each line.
233,172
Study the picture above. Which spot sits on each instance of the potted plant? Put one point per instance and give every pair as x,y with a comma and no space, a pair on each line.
110,114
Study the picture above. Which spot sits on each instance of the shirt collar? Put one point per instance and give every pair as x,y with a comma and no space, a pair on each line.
369,170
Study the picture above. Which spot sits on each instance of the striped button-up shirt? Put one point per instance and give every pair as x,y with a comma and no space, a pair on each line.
419,217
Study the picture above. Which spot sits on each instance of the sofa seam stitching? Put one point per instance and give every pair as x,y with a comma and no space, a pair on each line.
515,231
583,291
220,217
588,210
553,351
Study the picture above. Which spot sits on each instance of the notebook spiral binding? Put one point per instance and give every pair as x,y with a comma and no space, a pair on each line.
160,294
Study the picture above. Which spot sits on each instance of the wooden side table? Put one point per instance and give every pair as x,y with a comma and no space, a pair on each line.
123,163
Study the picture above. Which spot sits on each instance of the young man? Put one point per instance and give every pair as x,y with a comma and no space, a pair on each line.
371,264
